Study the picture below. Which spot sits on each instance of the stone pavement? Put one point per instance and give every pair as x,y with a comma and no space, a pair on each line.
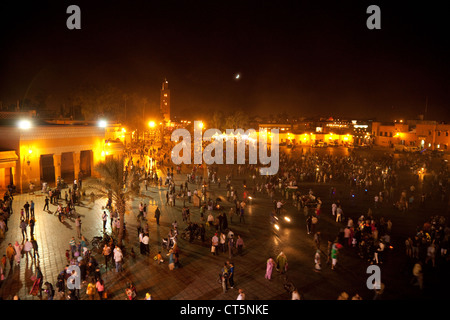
196,280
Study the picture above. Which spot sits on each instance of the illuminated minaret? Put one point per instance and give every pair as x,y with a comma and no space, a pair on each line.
165,100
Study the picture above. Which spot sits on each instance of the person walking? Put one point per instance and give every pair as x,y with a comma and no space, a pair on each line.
46,204
100,286
26,206
35,248
269,268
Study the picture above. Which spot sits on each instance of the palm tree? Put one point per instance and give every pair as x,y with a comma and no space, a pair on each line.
115,184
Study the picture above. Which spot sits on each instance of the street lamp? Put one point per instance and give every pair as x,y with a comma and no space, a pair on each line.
151,124
24,124
102,123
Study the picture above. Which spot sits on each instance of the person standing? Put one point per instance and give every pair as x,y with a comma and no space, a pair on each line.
333,209
230,267
334,255
230,246
26,206
73,246
90,290
339,213
32,208
104,219
418,274
145,243
241,295
269,268
308,224
35,248
10,253
78,226
317,239
239,244
214,244
18,250
223,241
106,252
49,290
295,295
157,215
317,264
281,262
118,256
224,277
27,247
31,223
23,226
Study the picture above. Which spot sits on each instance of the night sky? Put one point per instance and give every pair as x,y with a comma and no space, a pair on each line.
305,58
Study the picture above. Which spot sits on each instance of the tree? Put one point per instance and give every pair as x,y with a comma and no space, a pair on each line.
217,120
237,120
99,101
114,183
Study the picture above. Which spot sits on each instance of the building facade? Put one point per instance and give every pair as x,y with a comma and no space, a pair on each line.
45,152
412,133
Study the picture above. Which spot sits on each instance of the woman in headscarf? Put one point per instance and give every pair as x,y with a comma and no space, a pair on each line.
18,248
269,268
281,262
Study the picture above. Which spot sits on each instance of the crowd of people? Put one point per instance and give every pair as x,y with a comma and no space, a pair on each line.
368,234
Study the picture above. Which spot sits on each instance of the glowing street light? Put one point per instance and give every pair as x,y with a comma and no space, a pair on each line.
102,123
24,124
151,124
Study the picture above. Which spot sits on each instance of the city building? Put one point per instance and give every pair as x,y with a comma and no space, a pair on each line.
412,133
35,151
